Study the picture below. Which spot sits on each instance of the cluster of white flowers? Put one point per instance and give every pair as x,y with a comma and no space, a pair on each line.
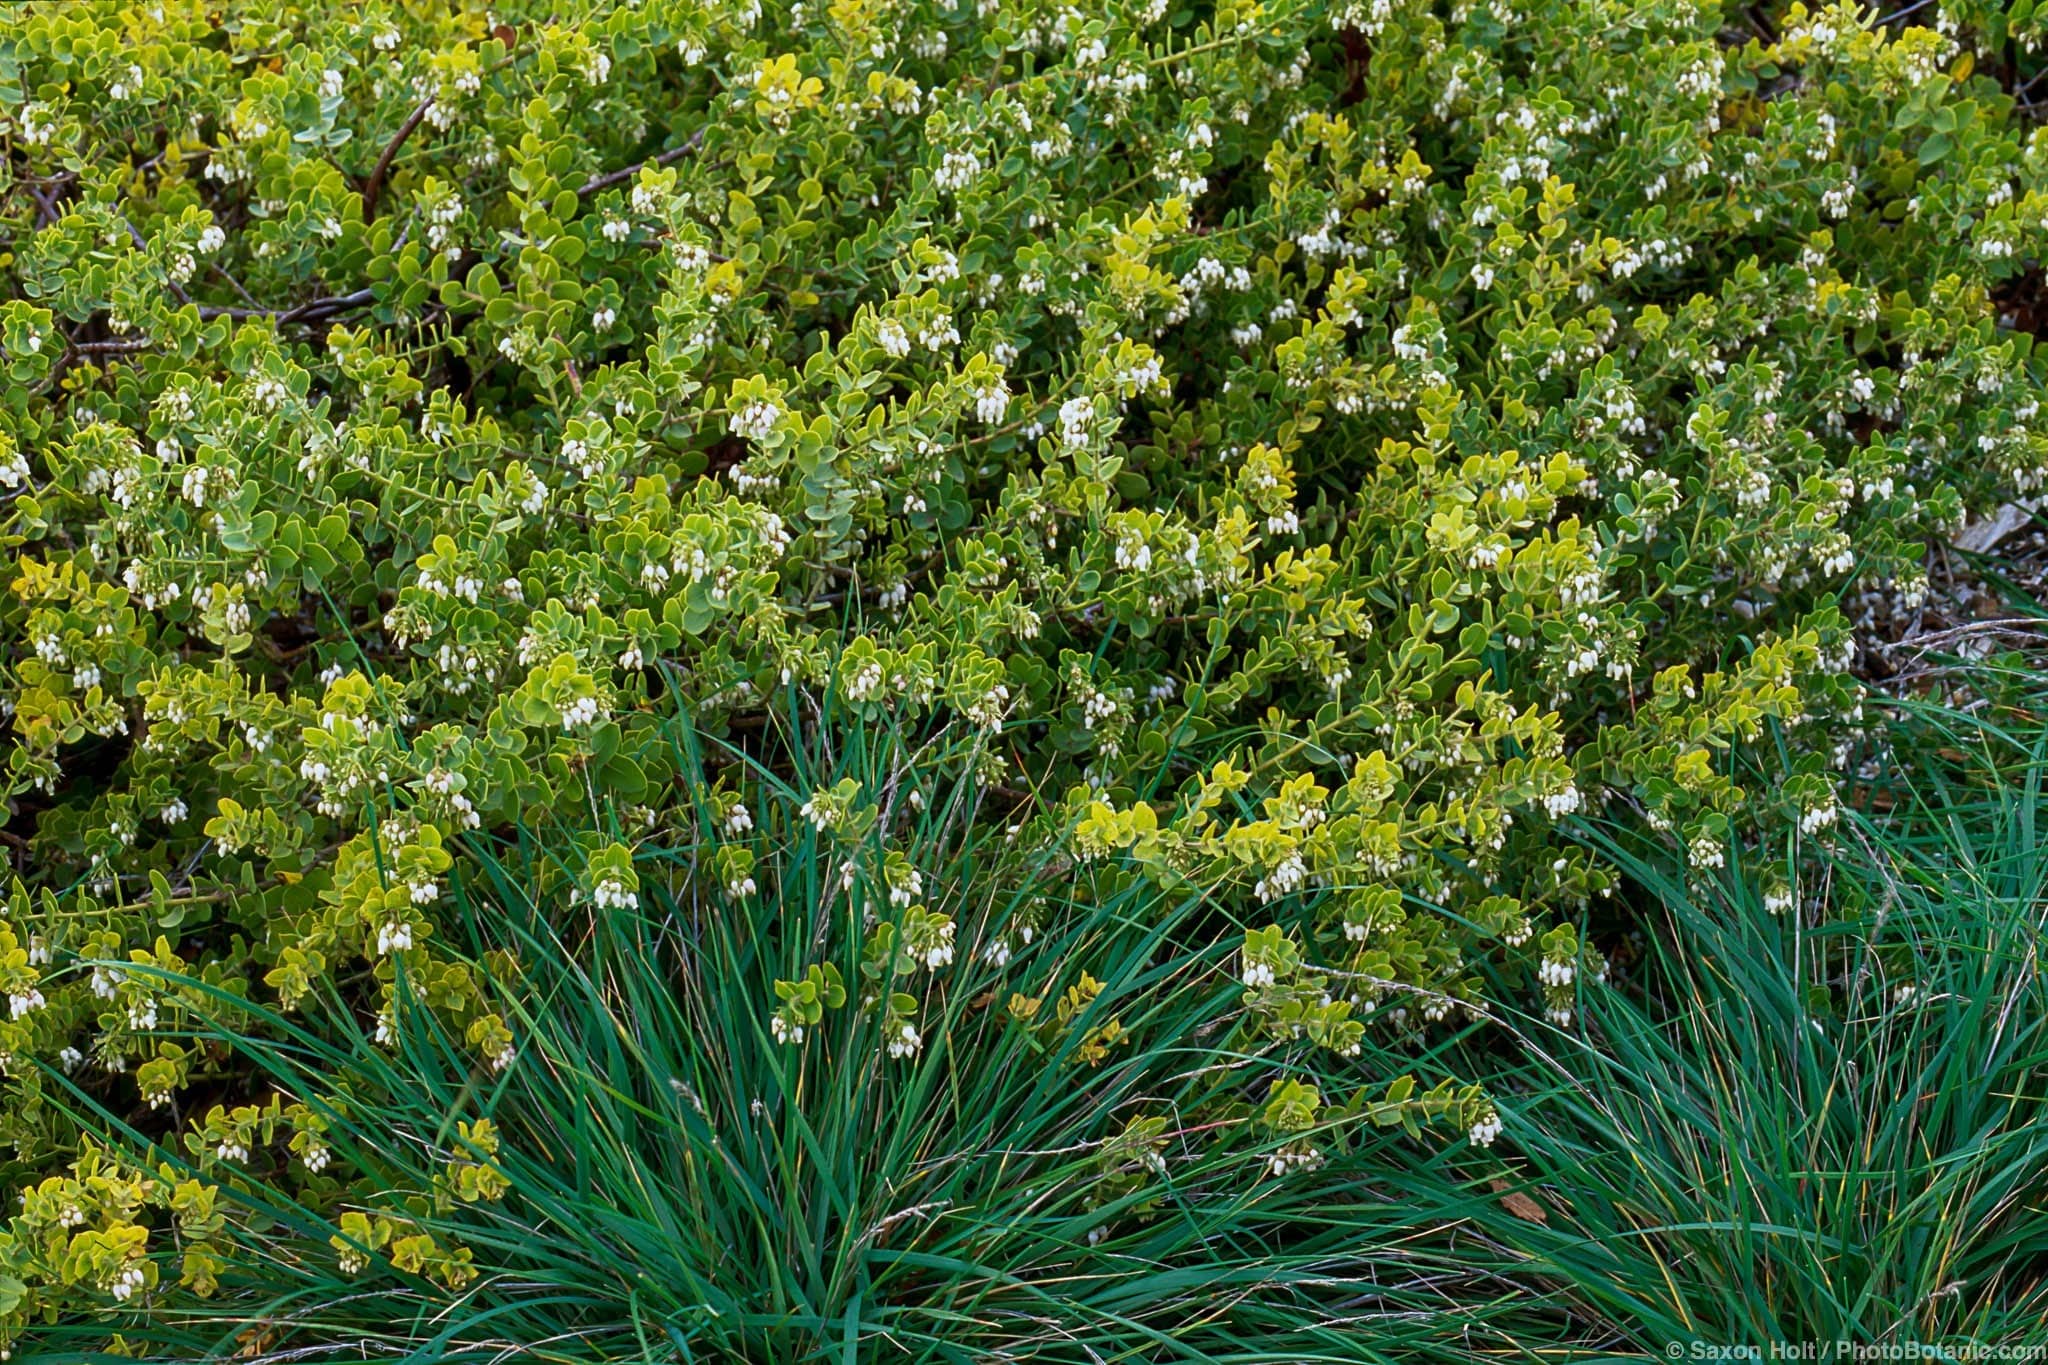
957,170
866,682
1818,817
756,421
690,257
442,212
1284,879
1077,414
905,1043
1097,706
906,889
126,86
1835,554
822,810
988,710
127,1282
992,402
38,123
1299,1156
613,894
1208,272
1133,551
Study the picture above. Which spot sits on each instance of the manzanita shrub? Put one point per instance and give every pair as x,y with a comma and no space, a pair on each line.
1311,450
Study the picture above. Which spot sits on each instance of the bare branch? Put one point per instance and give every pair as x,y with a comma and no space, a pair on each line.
135,235
247,297
315,310
375,187
611,178
124,347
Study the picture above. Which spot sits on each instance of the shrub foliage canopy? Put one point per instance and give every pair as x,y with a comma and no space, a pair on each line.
1294,453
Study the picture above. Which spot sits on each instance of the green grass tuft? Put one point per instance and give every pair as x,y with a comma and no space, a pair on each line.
1822,1127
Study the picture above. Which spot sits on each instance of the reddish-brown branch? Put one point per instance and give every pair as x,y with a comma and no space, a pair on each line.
611,178
316,310
375,187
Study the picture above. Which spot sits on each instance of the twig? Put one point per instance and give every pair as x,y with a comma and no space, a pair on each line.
375,186
48,195
611,178
135,235
311,311
247,297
